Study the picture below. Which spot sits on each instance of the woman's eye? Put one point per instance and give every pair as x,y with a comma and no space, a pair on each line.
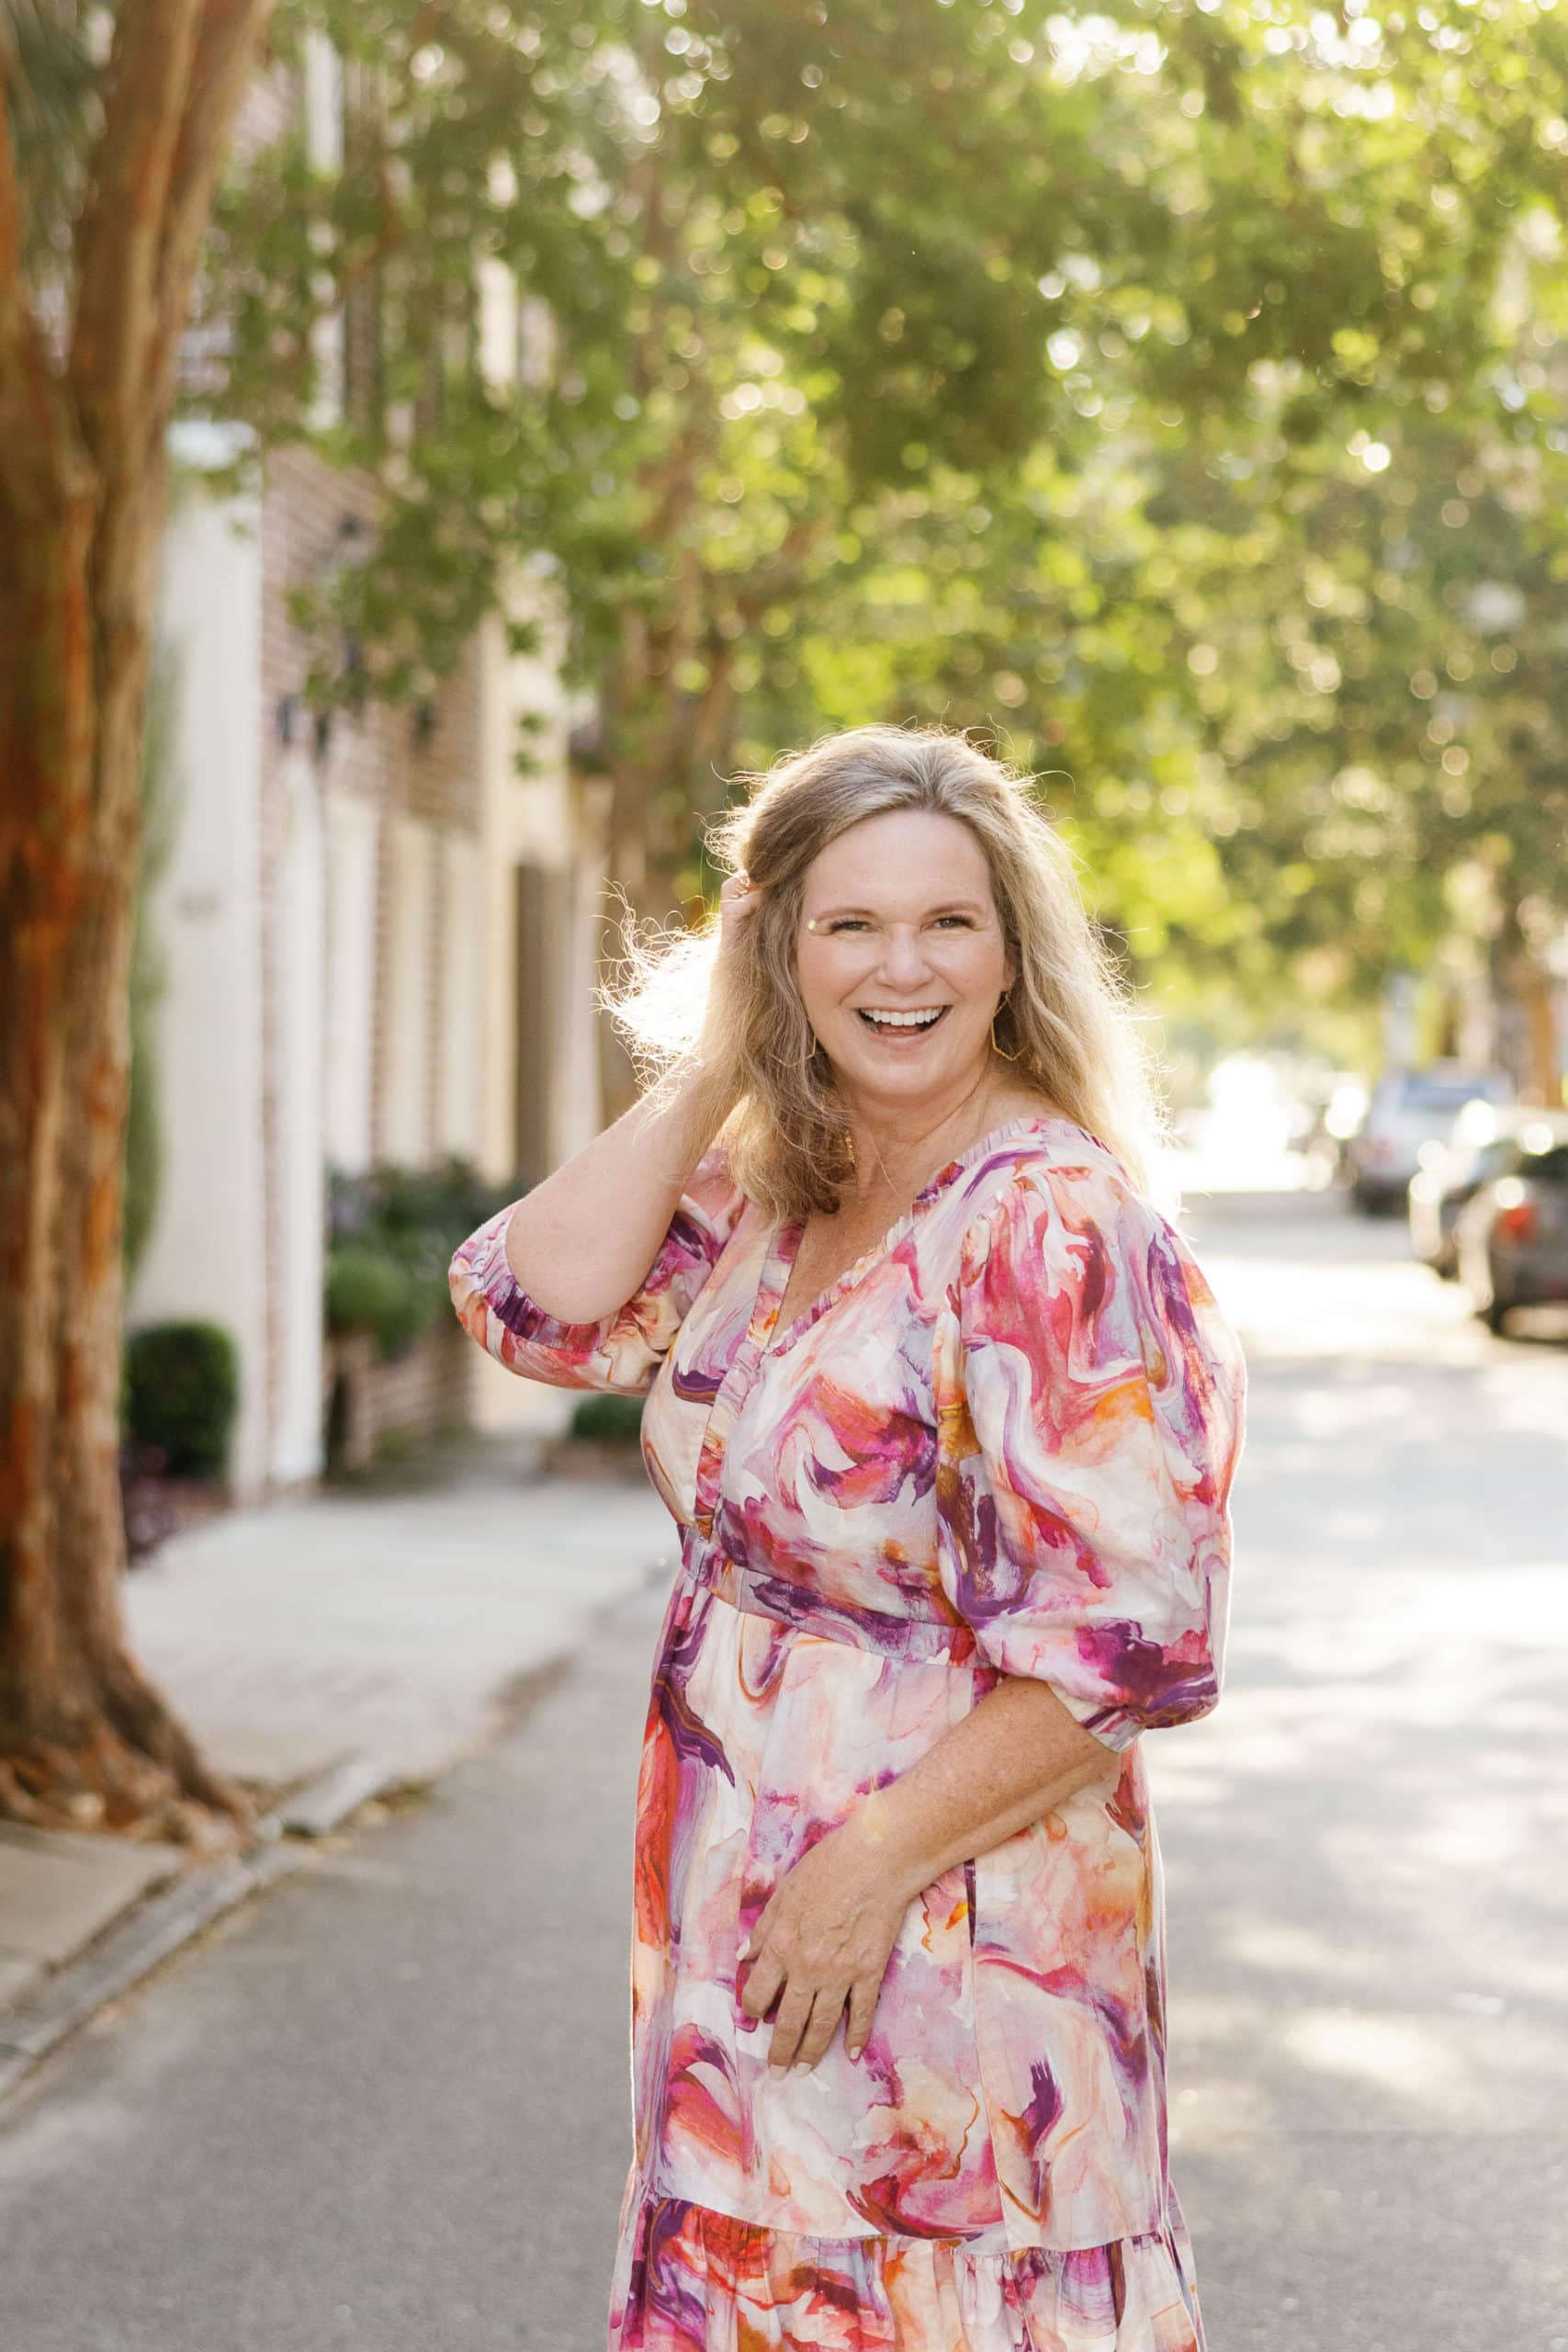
854,922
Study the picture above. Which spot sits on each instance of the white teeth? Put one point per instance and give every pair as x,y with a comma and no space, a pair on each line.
904,1020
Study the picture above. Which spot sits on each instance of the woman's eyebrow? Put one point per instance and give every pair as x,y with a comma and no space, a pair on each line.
948,907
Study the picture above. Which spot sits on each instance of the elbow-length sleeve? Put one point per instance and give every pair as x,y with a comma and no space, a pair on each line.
621,1351
1092,1410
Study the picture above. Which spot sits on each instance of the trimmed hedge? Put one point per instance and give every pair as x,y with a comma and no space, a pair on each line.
180,1396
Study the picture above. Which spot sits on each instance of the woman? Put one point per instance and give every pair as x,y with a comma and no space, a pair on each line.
948,1417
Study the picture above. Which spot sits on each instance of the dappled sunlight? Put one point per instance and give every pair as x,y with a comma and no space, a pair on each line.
1390,2055
1366,1845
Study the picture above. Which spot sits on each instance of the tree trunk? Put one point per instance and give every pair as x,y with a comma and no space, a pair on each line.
84,1737
1522,984
1535,990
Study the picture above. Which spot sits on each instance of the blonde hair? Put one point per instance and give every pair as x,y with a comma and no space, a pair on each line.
1069,1018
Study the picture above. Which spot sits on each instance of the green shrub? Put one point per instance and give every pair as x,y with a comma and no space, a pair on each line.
181,1391
617,1419
369,1289
442,1204
391,1235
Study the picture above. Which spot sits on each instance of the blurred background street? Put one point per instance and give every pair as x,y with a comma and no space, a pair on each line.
387,2109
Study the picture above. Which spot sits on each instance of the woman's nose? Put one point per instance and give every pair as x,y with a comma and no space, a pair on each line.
903,956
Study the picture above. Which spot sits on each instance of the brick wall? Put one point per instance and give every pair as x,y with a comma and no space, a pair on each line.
415,1397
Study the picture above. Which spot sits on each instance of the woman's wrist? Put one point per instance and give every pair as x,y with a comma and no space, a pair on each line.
888,1845
899,1835
679,1116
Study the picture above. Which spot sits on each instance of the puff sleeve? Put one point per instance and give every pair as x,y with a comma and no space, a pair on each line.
621,1351
1091,1410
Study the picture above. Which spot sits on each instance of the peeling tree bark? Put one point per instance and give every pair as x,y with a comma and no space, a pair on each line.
84,1737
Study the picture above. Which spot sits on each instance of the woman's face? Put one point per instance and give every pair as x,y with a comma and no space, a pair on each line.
899,918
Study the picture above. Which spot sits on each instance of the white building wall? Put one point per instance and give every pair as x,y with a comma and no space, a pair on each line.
405,1139
580,1108
459,1062
296,1448
204,1254
498,1045
529,818
353,836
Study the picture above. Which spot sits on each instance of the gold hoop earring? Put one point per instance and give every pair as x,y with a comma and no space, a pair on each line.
1001,1050
799,1061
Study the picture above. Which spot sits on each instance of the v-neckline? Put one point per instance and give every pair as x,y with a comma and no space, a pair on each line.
787,1235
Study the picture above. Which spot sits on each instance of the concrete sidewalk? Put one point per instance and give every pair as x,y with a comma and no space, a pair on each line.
325,1648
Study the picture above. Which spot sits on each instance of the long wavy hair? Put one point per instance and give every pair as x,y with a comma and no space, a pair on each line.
1070,1020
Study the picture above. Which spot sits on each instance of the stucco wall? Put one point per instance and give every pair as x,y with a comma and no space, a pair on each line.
206,1255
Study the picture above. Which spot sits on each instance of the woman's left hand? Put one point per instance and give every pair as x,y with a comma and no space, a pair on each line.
823,1938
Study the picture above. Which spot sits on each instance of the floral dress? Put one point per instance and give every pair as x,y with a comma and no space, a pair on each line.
1001,1443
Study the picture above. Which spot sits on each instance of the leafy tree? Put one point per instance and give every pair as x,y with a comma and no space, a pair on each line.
106,179
813,264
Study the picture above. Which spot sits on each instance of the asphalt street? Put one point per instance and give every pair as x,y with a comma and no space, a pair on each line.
384,2109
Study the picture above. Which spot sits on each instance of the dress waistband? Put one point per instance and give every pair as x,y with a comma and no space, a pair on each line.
916,1640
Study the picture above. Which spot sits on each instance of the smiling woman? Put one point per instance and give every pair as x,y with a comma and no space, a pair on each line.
881,843
948,1417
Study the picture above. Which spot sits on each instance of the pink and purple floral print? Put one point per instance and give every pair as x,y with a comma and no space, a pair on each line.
1003,1441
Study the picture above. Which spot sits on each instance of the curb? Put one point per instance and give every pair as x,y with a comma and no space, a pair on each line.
134,1946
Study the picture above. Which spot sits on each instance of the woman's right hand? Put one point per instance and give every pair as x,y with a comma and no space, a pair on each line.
738,903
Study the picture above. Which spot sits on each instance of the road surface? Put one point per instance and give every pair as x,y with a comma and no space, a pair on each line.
385,2110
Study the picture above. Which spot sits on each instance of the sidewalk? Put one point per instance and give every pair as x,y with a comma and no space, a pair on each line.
321,1649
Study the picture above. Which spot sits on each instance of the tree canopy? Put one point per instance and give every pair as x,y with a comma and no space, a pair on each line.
1174,389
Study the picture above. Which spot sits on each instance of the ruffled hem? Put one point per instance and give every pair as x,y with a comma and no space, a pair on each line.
689,2279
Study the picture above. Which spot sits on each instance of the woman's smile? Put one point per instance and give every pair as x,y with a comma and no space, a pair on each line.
901,1028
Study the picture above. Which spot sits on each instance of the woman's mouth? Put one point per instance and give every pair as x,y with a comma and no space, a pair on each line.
900,1027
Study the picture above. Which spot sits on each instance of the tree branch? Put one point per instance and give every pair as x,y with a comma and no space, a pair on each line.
781,569
119,239
227,38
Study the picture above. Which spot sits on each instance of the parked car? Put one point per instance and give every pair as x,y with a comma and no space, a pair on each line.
1512,1237
1483,1143
1408,1108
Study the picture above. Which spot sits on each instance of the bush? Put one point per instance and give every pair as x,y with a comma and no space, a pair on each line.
617,1419
180,1394
368,1289
391,1238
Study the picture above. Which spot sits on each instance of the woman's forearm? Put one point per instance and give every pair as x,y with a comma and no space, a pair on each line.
581,1241
1014,1758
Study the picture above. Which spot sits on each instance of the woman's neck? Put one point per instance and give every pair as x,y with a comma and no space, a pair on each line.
898,1147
